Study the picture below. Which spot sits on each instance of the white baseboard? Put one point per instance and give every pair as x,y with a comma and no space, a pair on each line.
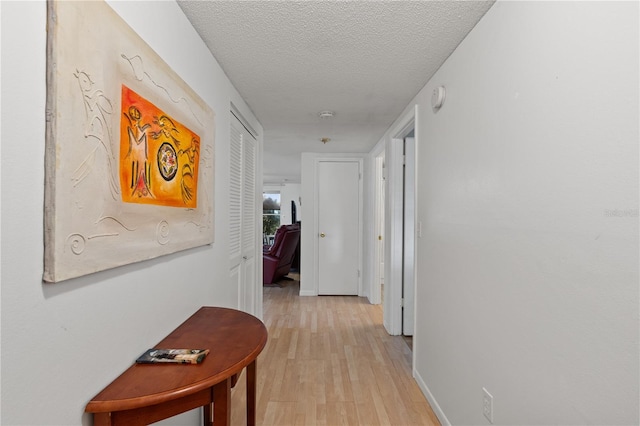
308,293
432,401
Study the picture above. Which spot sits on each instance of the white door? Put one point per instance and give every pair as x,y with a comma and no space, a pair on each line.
338,227
243,237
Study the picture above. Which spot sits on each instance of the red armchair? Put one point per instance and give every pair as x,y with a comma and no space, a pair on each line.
277,259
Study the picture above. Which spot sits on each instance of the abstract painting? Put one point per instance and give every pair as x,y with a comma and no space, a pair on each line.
129,148
158,155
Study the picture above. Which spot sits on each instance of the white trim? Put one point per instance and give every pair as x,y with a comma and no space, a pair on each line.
437,410
415,240
392,311
245,123
409,238
258,295
378,227
315,225
407,126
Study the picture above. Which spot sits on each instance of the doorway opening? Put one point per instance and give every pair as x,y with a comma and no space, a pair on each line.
271,207
400,229
408,233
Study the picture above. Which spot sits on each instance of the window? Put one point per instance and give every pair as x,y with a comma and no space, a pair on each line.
270,215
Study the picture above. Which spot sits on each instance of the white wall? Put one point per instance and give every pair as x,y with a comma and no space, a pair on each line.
62,343
308,231
528,197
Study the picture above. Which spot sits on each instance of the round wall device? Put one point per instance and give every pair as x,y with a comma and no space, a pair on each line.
437,97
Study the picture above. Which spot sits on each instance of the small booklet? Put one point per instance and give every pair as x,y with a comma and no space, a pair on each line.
175,356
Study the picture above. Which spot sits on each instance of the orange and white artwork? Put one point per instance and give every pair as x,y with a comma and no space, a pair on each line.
159,156
129,162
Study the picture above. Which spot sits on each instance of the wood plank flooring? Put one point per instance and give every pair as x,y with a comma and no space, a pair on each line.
329,361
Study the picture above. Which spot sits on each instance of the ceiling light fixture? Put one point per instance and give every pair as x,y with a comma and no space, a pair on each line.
326,114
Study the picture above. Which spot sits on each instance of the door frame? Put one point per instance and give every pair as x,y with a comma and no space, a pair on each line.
394,212
378,227
409,241
315,221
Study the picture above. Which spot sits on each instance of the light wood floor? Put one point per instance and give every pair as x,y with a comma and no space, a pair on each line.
329,361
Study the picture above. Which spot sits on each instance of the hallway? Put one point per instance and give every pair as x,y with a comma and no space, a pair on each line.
329,361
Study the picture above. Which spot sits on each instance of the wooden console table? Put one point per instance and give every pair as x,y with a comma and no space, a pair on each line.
147,393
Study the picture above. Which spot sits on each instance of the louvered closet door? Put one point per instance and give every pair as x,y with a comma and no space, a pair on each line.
242,214
235,194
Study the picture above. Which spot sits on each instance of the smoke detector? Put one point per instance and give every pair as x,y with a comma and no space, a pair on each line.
326,114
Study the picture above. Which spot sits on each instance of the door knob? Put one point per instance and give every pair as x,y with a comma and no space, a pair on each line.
322,235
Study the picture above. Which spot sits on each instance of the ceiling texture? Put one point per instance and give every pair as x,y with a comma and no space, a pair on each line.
362,60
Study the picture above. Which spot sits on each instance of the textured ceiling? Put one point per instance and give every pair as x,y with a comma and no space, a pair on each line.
364,60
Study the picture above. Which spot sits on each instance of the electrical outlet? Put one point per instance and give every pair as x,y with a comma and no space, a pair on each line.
487,405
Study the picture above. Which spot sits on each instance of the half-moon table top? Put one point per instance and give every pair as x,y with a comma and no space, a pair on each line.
234,339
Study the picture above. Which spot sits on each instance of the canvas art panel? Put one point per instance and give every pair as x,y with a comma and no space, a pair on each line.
129,161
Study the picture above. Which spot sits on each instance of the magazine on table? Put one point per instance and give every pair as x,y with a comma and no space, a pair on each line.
173,356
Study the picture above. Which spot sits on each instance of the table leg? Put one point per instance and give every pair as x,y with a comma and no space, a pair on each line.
102,419
206,414
251,393
222,403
